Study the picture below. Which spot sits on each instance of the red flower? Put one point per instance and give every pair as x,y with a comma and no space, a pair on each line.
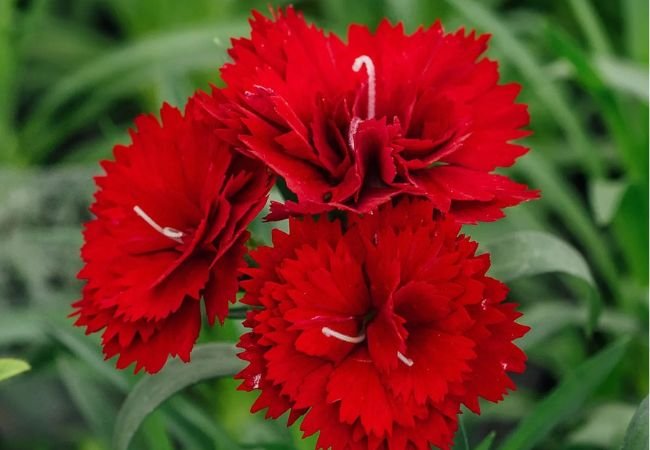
377,332
351,125
170,227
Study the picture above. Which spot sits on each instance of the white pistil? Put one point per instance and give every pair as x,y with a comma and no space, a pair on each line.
404,359
364,60
327,331
168,232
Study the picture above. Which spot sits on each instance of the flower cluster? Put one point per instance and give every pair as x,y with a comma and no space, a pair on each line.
373,318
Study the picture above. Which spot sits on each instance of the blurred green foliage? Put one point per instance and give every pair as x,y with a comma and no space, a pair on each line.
74,73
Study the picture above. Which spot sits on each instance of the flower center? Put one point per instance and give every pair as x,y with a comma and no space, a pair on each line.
168,232
364,61
328,332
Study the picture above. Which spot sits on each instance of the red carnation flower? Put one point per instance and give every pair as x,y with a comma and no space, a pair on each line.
351,125
170,227
377,332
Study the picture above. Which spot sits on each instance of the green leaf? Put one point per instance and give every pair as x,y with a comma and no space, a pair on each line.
635,29
605,197
636,437
88,396
208,361
81,346
10,367
547,318
566,400
20,327
625,76
562,197
123,70
8,90
631,231
154,431
604,426
591,25
608,104
528,253
486,444
461,440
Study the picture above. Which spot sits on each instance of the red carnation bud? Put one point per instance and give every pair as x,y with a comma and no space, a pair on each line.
377,331
170,226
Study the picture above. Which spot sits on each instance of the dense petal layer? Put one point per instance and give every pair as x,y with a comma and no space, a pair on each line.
378,329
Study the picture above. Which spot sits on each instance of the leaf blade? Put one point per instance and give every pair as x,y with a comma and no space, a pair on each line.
152,391
636,437
10,367
539,254
486,444
529,253
566,399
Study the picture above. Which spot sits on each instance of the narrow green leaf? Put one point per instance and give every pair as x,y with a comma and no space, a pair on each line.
10,367
591,26
126,68
88,395
625,76
631,231
486,444
81,346
20,327
605,197
635,29
547,318
8,91
83,349
528,253
566,400
562,197
202,421
121,61
636,437
604,426
208,361
608,104
154,431
461,440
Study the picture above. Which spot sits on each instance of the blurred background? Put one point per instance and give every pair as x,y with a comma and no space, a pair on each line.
74,74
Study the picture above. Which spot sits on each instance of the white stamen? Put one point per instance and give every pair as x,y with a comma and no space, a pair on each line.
404,359
343,337
354,125
169,232
364,60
